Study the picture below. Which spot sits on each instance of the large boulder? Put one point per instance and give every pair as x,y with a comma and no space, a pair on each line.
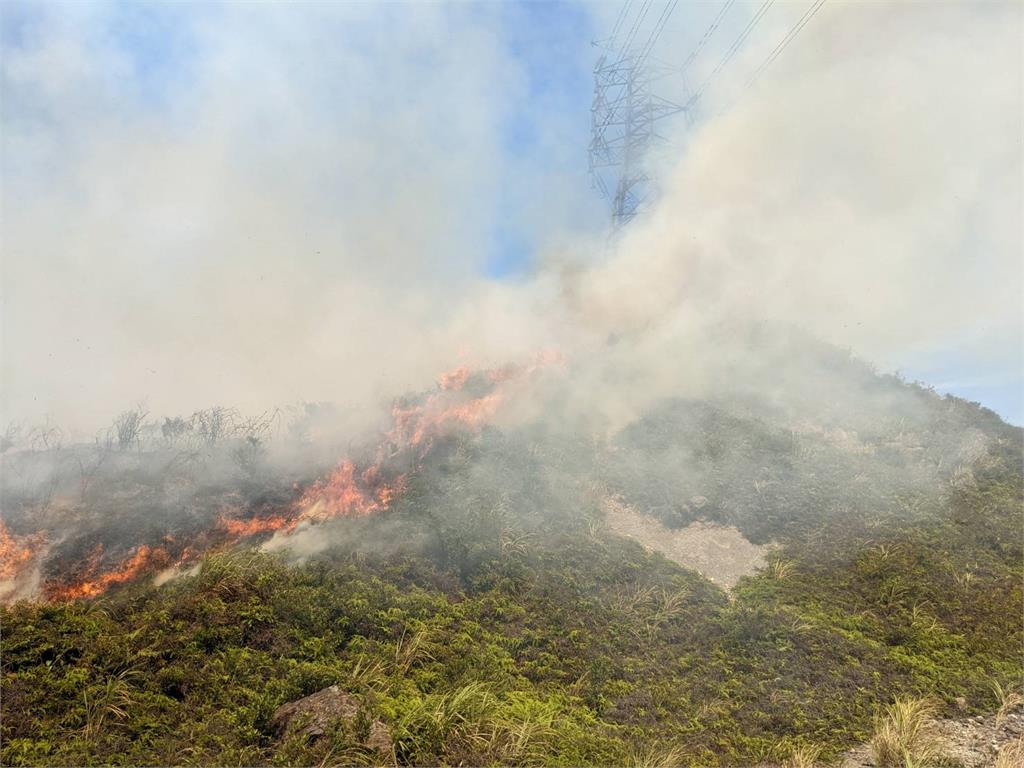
319,713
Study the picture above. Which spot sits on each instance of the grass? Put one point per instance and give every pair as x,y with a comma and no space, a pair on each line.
779,568
1011,755
905,735
655,757
112,700
803,757
1007,699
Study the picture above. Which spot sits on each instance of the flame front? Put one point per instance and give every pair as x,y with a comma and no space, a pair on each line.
414,426
348,491
144,559
240,529
17,552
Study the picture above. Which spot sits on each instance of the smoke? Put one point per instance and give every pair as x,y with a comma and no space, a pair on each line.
284,204
868,191
273,204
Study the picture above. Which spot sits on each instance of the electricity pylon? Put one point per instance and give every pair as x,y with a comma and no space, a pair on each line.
624,114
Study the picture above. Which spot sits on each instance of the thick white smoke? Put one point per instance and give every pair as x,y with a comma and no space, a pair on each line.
306,214
868,190
297,216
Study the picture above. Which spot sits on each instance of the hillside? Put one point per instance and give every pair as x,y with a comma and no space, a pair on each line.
483,610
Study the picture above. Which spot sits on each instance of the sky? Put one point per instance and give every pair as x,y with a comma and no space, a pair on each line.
260,203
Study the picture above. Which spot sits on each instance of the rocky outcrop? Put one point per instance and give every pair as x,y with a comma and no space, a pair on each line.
321,712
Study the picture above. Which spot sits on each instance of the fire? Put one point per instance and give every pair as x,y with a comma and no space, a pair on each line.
348,491
17,552
240,529
454,379
414,425
144,559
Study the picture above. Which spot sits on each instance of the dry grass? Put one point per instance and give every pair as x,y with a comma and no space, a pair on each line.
671,757
1008,700
411,650
369,675
905,735
779,568
523,733
802,757
1011,755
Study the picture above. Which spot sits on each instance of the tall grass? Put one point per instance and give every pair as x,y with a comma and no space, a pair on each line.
905,735
1011,755
472,726
1007,698
112,700
442,723
802,757
670,757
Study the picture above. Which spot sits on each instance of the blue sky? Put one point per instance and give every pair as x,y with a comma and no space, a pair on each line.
482,108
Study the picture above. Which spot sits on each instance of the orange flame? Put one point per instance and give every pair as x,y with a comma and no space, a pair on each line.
345,492
454,379
414,425
241,529
145,558
17,552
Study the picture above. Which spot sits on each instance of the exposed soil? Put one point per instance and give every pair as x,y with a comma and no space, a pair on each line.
973,742
720,553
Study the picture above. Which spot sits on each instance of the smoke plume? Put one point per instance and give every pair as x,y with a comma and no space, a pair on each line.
285,204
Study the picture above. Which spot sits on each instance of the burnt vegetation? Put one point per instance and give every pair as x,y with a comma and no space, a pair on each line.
488,616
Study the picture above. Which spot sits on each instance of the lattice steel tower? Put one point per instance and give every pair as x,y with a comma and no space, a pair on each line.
624,114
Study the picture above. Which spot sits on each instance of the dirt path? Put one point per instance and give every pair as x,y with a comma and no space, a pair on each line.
720,553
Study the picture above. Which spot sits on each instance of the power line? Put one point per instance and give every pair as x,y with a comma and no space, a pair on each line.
659,26
808,15
621,18
624,112
707,35
732,50
645,6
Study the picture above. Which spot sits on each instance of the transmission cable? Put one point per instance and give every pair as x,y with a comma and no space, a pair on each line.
707,34
808,15
621,18
659,27
732,50
641,15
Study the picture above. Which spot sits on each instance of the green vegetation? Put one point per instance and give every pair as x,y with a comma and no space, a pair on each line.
489,619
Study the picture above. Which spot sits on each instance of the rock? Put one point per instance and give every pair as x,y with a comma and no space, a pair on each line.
315,715
379,739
